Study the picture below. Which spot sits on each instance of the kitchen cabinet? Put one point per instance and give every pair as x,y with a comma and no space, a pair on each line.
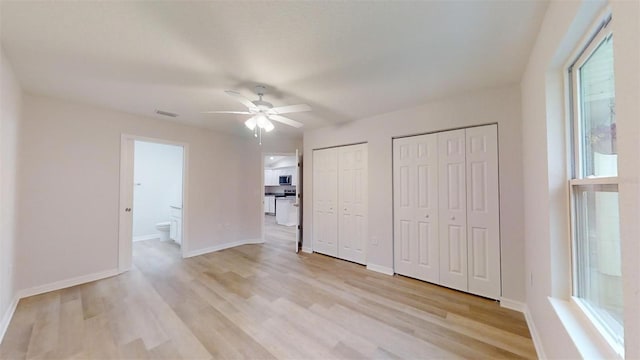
269,204
272,176
286,213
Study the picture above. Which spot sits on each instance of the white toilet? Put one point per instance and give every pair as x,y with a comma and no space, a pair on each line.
164,228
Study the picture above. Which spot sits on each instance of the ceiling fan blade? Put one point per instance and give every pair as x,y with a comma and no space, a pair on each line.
290,109
285,120
243,100
226,112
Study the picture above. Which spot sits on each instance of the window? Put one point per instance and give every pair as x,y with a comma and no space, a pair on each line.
597,276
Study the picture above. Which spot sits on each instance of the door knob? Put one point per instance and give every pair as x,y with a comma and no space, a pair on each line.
453,218
426,216
127,209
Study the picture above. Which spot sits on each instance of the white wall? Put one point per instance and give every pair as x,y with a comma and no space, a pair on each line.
545,171
69,162
10,119
157,177
501,106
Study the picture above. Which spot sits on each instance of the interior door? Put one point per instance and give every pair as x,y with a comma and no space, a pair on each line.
325,201
415,182
127,149
452,209
352,197
483,224
298,204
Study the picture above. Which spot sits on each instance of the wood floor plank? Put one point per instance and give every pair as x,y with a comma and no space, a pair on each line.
260,302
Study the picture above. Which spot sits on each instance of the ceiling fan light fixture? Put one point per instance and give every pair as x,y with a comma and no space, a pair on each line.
268,125
261,120
251,123
263,113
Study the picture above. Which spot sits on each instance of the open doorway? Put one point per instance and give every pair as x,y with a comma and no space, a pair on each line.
152,193
281,200
157,193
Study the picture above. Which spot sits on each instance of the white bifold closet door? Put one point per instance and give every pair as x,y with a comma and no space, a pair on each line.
415,185
446,209
340,202
453,210
325,201
352,198
483,218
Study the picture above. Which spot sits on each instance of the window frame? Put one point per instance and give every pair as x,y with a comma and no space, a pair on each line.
578,180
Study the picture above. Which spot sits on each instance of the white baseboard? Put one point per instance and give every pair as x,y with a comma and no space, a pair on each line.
146,237
7,316
36,290
214,248
381,269
513,305
522,307
535,336
67,283
307,250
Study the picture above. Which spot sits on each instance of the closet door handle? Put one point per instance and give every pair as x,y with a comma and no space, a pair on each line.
453,218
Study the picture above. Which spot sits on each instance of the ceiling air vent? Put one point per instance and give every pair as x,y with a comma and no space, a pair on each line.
166,113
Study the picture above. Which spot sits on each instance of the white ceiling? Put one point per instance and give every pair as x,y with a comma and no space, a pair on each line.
271,160
348,60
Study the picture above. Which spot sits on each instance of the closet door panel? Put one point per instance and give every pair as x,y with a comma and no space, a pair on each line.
416,207
426,212
319,164
452,209
483,223
352,209
404,153
325,194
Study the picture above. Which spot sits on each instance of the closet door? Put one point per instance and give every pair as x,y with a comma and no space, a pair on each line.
415,182
483,224
325,200
453,211
352,197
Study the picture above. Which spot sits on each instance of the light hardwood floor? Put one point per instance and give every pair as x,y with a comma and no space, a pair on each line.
260,302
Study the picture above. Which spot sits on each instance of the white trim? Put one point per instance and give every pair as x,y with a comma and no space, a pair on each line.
219,247
307,249
146,237
535,336
585,337
6,318
513,305
41,289
595,181
381,269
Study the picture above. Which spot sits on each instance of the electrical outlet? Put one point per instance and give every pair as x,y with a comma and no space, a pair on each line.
374,240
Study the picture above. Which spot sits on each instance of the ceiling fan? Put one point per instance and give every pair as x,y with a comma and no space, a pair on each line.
263,112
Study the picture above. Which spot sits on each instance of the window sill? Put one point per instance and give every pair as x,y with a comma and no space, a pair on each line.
589,342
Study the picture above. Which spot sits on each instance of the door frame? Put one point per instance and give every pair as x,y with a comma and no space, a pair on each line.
262,185
127,162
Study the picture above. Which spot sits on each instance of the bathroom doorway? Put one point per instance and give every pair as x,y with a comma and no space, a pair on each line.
152,197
